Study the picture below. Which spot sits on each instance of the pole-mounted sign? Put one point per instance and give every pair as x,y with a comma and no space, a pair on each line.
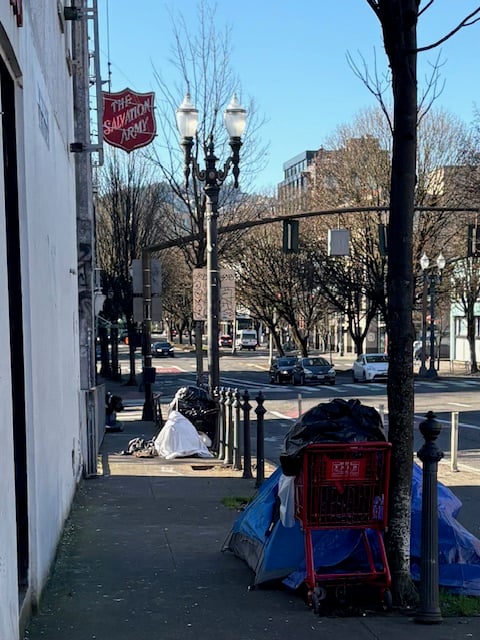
128,119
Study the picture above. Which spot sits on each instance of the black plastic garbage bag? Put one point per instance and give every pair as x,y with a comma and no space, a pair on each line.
337,421
196,404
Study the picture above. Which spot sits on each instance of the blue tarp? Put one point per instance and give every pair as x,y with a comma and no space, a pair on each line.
275,552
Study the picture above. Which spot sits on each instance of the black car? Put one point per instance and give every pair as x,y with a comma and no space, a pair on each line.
162,349
314,369
282,369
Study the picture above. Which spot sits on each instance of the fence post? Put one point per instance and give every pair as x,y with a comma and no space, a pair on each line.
454,442
229,428
430,454
221,423
237,453
247,450
381,411
157,411
260,411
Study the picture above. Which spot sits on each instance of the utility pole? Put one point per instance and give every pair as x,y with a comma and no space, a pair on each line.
84,198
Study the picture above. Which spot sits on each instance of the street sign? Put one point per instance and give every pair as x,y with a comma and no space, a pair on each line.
155,277
227,294
128,119
199,294
138,310
338,242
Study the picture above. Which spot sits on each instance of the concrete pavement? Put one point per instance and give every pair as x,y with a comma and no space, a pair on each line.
141,558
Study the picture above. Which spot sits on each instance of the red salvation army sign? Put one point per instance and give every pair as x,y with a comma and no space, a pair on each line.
128,119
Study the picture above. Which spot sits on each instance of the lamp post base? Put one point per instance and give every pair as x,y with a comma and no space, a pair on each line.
423,371
433,616
431,374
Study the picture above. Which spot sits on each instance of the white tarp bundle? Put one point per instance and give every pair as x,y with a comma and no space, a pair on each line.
179,438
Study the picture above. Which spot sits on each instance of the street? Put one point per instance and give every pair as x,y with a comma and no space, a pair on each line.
284,403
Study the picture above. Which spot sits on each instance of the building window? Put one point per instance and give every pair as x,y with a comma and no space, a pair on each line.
461,327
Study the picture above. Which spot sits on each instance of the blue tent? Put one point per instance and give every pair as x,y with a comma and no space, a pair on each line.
276,552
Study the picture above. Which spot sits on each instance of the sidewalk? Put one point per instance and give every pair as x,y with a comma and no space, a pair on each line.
141,559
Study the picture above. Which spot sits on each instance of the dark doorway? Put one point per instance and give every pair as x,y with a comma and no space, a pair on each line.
16,320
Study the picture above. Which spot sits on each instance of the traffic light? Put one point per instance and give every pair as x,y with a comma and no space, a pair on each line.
382,240
473,248
290,236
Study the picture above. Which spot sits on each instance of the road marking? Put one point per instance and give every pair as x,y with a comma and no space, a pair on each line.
277,414
364,385
433,385
459,404
448,422
170,369
132,402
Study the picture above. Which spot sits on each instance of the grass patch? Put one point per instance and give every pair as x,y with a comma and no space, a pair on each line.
235,502
455,605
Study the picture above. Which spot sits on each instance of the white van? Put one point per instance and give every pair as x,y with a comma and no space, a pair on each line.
246,339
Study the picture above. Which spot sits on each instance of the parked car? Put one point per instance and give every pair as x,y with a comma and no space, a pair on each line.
370,366
282,369
225,341
314,369
162,349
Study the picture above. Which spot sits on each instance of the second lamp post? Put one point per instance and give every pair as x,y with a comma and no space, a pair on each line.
187,122
431,279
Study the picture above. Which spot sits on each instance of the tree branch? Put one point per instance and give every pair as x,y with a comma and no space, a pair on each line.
466,22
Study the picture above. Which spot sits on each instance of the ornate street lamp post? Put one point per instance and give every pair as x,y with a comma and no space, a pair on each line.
187,121
429,283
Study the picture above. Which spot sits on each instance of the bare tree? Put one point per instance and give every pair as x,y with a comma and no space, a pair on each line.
130,214
202,57
176,292
398,20
354,172
276,286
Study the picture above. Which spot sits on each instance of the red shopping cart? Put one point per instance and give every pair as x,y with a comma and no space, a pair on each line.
345,486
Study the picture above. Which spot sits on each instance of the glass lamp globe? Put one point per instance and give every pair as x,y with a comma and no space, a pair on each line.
424,261
235,118
441,261
187,118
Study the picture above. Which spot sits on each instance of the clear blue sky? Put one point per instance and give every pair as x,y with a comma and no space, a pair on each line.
291,58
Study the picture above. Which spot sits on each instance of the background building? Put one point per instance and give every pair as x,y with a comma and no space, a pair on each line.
293,191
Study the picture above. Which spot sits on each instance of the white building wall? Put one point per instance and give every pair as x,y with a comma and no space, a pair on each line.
46,176
459,346
8,556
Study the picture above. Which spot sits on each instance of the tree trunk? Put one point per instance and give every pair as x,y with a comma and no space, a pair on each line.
278,342
399,22
358,340
471,337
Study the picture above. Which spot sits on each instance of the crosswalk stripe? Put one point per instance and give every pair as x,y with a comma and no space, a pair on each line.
432,385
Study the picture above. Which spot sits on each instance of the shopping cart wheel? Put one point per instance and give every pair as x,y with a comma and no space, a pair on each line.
387,600
318,595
